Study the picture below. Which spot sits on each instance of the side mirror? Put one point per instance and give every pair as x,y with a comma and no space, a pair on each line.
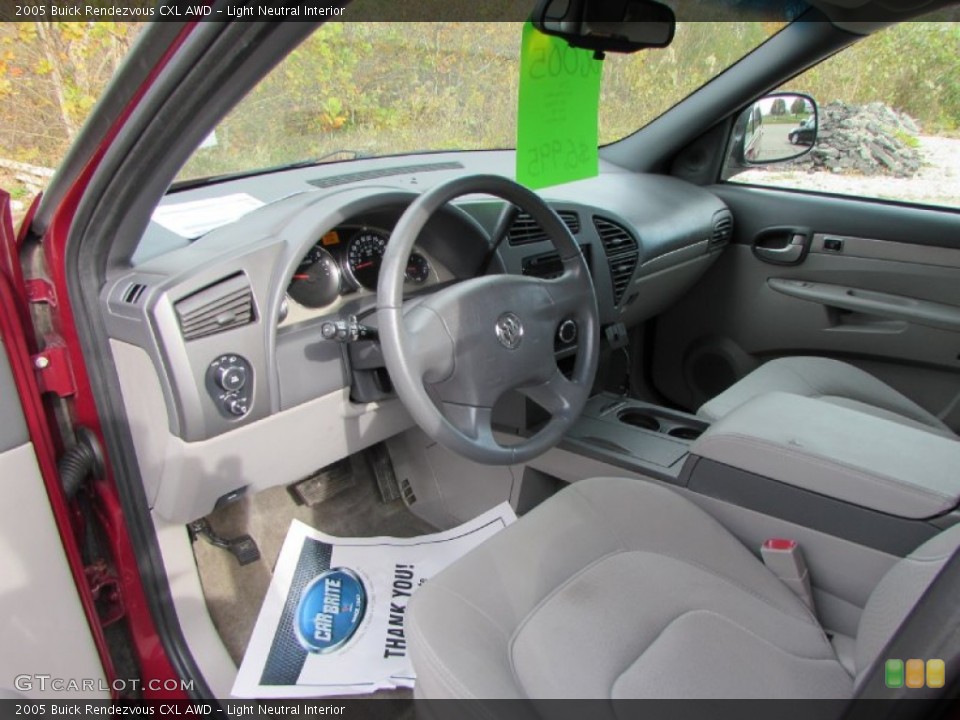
777,127
623,26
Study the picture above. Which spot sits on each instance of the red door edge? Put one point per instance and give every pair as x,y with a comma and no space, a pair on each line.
158,678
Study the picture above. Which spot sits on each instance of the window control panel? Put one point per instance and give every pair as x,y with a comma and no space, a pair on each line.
832,244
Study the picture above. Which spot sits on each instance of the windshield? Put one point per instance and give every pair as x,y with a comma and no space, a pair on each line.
368,89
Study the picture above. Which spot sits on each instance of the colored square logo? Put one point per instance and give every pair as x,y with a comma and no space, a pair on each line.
893,673
914,673
936,673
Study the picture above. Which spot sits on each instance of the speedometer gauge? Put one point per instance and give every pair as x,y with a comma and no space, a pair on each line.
364,257
316,283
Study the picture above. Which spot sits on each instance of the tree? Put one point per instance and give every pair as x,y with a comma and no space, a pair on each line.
51,74
779,107
799,106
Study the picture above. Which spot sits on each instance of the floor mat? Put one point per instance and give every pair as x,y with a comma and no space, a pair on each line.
234,594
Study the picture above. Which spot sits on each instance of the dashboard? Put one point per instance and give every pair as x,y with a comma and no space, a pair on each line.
218,339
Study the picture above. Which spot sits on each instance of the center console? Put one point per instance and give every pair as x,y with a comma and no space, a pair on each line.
868,479
635,435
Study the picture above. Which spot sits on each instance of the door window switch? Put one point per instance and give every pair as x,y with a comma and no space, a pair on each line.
832,244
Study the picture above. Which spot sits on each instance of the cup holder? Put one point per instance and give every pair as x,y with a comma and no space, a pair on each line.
640,419
685,433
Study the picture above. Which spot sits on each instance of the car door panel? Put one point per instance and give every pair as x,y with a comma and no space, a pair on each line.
45,630
879,286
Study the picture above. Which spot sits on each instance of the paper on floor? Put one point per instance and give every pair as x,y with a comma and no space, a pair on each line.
332,620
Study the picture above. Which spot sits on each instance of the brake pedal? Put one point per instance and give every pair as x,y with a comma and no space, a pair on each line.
243,547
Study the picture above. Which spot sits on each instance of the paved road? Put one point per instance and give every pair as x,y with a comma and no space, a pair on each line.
775,144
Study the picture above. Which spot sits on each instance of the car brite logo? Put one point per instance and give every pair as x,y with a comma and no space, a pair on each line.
897,673
330,610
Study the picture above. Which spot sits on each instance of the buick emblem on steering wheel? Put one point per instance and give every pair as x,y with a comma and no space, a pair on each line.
509,330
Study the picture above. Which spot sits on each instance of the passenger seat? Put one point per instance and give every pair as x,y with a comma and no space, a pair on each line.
829,380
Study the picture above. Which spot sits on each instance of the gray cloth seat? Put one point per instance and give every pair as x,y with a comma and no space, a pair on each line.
619,588
828,380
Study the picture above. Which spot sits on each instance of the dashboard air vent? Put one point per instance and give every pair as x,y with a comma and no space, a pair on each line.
134,293
222,306
526,230
722,228
622,254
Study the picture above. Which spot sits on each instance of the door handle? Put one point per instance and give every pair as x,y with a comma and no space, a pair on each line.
782,246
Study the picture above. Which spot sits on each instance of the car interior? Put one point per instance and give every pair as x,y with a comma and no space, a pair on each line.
659,370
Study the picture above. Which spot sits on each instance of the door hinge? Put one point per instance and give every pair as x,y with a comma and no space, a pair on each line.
54,373
105,589
40,291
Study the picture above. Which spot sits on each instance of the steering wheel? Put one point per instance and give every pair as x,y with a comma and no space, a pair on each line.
452,354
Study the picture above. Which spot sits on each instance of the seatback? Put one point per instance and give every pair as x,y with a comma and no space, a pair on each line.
896,594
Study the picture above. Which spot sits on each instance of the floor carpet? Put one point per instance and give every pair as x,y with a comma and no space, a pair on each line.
234,593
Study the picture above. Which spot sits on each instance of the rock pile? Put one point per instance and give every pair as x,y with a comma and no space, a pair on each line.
869,139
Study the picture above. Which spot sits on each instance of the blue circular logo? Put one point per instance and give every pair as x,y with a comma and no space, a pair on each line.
330,610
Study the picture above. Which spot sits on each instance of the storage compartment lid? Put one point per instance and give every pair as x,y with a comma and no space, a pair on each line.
839,452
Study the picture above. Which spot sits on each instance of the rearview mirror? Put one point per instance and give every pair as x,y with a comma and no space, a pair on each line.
777,127
623,26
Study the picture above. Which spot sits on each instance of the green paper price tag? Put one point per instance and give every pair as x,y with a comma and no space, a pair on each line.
557,134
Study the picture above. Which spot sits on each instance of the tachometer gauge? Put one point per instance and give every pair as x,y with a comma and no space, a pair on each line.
418,269
316,283
364,257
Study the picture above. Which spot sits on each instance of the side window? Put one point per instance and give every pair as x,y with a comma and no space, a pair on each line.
889,120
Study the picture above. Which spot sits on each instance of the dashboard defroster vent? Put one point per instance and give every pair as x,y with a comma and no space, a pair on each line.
353,177
526,230
216,308
722,228
134,293
622,254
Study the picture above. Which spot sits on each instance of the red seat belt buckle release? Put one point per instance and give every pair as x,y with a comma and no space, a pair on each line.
784,558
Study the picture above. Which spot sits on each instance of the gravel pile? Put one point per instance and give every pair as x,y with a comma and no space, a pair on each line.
869,139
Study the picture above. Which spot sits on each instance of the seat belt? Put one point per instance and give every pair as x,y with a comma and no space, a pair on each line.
784,558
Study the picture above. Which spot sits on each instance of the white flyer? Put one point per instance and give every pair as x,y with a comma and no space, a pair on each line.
198,217
332,620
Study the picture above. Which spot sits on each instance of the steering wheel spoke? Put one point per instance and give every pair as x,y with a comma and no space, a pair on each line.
569,293
474,422
431,349
553,395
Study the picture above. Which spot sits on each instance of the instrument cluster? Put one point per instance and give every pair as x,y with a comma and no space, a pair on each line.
347,260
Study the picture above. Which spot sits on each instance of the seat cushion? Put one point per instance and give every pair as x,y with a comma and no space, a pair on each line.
831,381
616,588
897,594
